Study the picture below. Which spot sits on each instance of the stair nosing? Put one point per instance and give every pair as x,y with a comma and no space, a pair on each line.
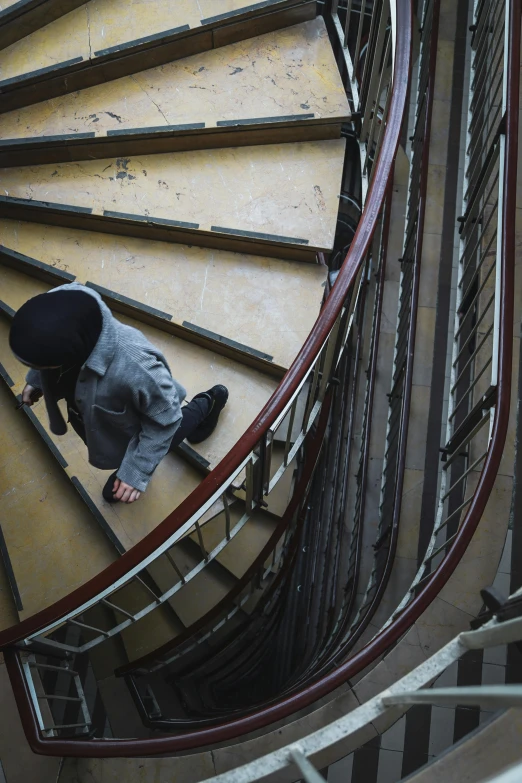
84,218
66,147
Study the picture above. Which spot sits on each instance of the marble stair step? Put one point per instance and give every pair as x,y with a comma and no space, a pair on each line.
265,305
90,45
173,480
19,18
201,593
156,628
243,548
277,200
281,86
53,542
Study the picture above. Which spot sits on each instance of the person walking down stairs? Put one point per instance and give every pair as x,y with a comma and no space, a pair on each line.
120,394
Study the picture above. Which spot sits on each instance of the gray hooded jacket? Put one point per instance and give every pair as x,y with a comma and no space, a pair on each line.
129,401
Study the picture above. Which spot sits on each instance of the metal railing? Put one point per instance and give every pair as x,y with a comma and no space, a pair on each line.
401,385
473,393
369,56
417,687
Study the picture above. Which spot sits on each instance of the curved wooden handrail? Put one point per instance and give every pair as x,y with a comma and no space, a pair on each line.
291,380
381,643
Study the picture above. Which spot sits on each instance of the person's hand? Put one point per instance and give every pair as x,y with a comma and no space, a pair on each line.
125,492
30,395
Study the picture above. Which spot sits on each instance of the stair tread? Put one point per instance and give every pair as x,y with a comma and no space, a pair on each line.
288,193
153,630
53,543
266,304
88,31
287,72
199,595
244,547
201,369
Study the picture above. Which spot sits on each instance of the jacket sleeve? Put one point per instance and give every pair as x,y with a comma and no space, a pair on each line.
160,412
33,378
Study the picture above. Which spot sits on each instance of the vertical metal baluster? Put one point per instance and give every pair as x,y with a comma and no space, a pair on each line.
348,19
375,117
201,543
329,356
175,567
227,515
274,554
289,432
313,388
269,442
147,588
374,88
359,37
249,502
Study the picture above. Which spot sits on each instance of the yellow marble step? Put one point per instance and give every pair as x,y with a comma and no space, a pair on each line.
106,39
19,18
244,547
263,303
53,542
279,86
146,635
173,480
200,594
279,200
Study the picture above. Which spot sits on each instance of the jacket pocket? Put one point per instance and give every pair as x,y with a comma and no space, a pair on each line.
114,418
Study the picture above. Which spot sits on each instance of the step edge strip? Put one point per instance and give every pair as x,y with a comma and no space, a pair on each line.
153,129
40,266
258,235
160,131
245,10
50,205
128,301
48,139
9,572
53,70
192,457
44,435
148,219
141,41
227,341
5,309
6,377
265,120
97,514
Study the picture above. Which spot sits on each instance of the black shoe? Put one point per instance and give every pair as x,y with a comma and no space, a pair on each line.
218,396
108,488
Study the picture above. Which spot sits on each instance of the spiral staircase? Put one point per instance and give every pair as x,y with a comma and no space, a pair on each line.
314,203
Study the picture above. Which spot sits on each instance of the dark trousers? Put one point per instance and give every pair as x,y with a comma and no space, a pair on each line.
192,416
